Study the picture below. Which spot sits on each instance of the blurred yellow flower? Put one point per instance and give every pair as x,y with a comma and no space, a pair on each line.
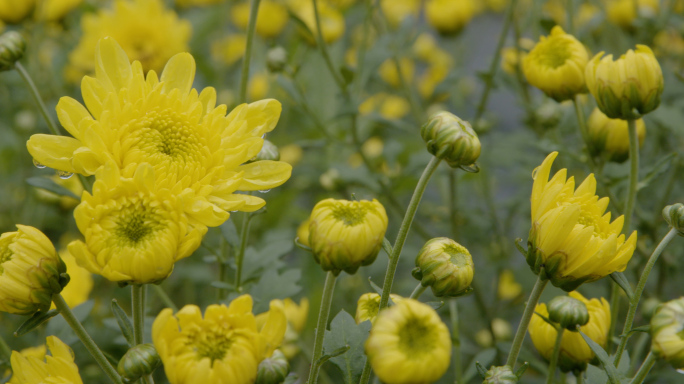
332,20
669,42
391,107
258,86
571,237
368,305
623,12
409,344
271,20
388,71
145,29
511,57
556,65
296,315
229,49
30,271
609,138
508,288
53,10
197,3
667,325
58,367
303,232
397,10
628,87
448,16
196,150
575,353
497,5
223,347
14,11
555,9
291,154
80,281
73,184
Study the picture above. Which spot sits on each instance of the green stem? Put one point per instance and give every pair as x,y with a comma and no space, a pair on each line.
164,297
6,350
251,27
614,311
584,132
633,173
85,338
644,369
138,304
456,340
554,356
323,315
634,303
525,321
324,51
404,228
36,97
453,202
417,292
244,235
579,375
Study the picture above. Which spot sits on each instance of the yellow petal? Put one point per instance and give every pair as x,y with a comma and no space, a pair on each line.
264,174
179,73
52,151
112,66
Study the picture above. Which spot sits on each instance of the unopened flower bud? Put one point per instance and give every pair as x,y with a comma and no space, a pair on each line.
12,47
568,312
500,375
446,266
674,215
139,361
667,332
276,59
273,370
452,139
368,306
269,151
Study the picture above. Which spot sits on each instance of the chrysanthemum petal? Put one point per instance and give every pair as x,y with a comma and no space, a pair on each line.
179,73
53,151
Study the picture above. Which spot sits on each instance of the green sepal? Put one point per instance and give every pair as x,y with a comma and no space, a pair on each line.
35,321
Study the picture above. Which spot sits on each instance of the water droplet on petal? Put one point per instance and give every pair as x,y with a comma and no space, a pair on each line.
37,164
64,175
265,191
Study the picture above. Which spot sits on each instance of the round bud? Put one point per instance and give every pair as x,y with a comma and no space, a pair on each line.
273,370
568,312
452,139
667,332
269,151
12,47
674,215
446,266
276,59
139,361
500,375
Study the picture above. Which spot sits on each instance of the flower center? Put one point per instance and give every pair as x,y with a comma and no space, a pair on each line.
136,223
457,254
168,135
351,214
553,53
416,337
212,343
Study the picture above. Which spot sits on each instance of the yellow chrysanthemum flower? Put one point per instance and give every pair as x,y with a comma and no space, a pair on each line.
196,150
30,271
271,19
575,353
14,11
229,49
332,20
556,65
624,12
147,31
409,344
53,10
134,229
368,305
57,368
571,237
609,138
296,315
223,347
80,281
397,10
448,16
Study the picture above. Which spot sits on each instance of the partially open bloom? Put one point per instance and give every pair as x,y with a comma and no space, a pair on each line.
446,266
196,150
296,315
332,20
609,138
58,367
452,139
223,347
30,271
628,87
575,353
12,47
556,65
368,305
674,215
271,19
624,12
147,31
345,235
409,344
571,240
667,326
448,16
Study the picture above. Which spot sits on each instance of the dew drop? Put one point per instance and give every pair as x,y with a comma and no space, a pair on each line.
265,191
37,164
64,175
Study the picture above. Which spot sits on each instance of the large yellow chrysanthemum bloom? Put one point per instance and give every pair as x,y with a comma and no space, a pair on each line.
196,150
296,315
223,347
575,353
147,31
134,230
571,237
409,344
58,367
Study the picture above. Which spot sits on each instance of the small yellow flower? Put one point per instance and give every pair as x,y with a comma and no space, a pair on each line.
446,266
146,30
30,271
14,11
368,305
626,88
223,347
448,16
291,154
623,12
80,281
575,353
391,107
609,138
571,237
229,49
296,315
58,367
510,57
409,344
196,150
396,11
556,65
667,325
332,20
271,20
54,10
388,71
508,288
345,235
197,3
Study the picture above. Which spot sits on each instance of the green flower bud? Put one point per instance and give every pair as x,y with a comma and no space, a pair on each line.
568,312
268,152
273,370
12,47
500,375
139,361
452,139
667,332
446,266
276,59
674,215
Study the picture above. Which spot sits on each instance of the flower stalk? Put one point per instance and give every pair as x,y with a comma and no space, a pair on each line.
633,172
554,356
525,321
239,258
251,27
644,369
417,291
322,324
37,98
455,340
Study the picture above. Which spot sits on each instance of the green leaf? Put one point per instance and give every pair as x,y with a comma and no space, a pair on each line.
229,233
620,279
377,289
484,358
604,359
387,246
644,328
275,285
292,378
344,332
124,322
50,186
596,375
335,353
35,321
266,258
659,168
